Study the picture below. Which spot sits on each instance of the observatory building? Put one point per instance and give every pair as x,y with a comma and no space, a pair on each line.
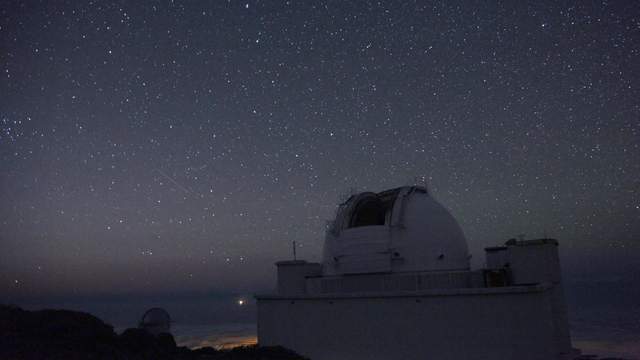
395,283
156,321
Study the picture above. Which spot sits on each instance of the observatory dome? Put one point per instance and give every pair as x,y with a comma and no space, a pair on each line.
156,321
397,230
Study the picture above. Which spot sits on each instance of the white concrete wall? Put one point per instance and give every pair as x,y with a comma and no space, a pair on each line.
292,275
534,263
539,262
485,324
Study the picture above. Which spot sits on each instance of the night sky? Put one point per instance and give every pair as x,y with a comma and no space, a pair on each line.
175,146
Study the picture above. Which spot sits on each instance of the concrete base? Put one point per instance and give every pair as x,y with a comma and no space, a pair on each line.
448,324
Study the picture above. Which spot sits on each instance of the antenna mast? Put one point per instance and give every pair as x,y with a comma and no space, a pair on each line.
294,250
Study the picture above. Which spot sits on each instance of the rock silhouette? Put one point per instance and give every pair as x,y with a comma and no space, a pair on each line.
64,334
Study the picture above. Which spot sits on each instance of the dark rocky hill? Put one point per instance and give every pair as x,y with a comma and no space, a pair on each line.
63,334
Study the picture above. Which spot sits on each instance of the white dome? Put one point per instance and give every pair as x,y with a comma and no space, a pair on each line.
398,230
156,321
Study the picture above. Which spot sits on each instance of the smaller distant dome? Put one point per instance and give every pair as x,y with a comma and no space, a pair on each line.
156,321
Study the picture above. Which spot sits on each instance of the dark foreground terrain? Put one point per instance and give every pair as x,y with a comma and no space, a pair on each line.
63,334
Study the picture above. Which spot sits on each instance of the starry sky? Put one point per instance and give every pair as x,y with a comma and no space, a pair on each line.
174,146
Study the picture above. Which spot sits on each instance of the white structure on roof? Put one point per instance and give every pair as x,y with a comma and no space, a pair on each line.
395,283
397,230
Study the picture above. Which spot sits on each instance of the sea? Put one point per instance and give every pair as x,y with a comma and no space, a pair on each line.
605,317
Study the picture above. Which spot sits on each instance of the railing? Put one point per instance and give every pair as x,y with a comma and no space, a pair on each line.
395,282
